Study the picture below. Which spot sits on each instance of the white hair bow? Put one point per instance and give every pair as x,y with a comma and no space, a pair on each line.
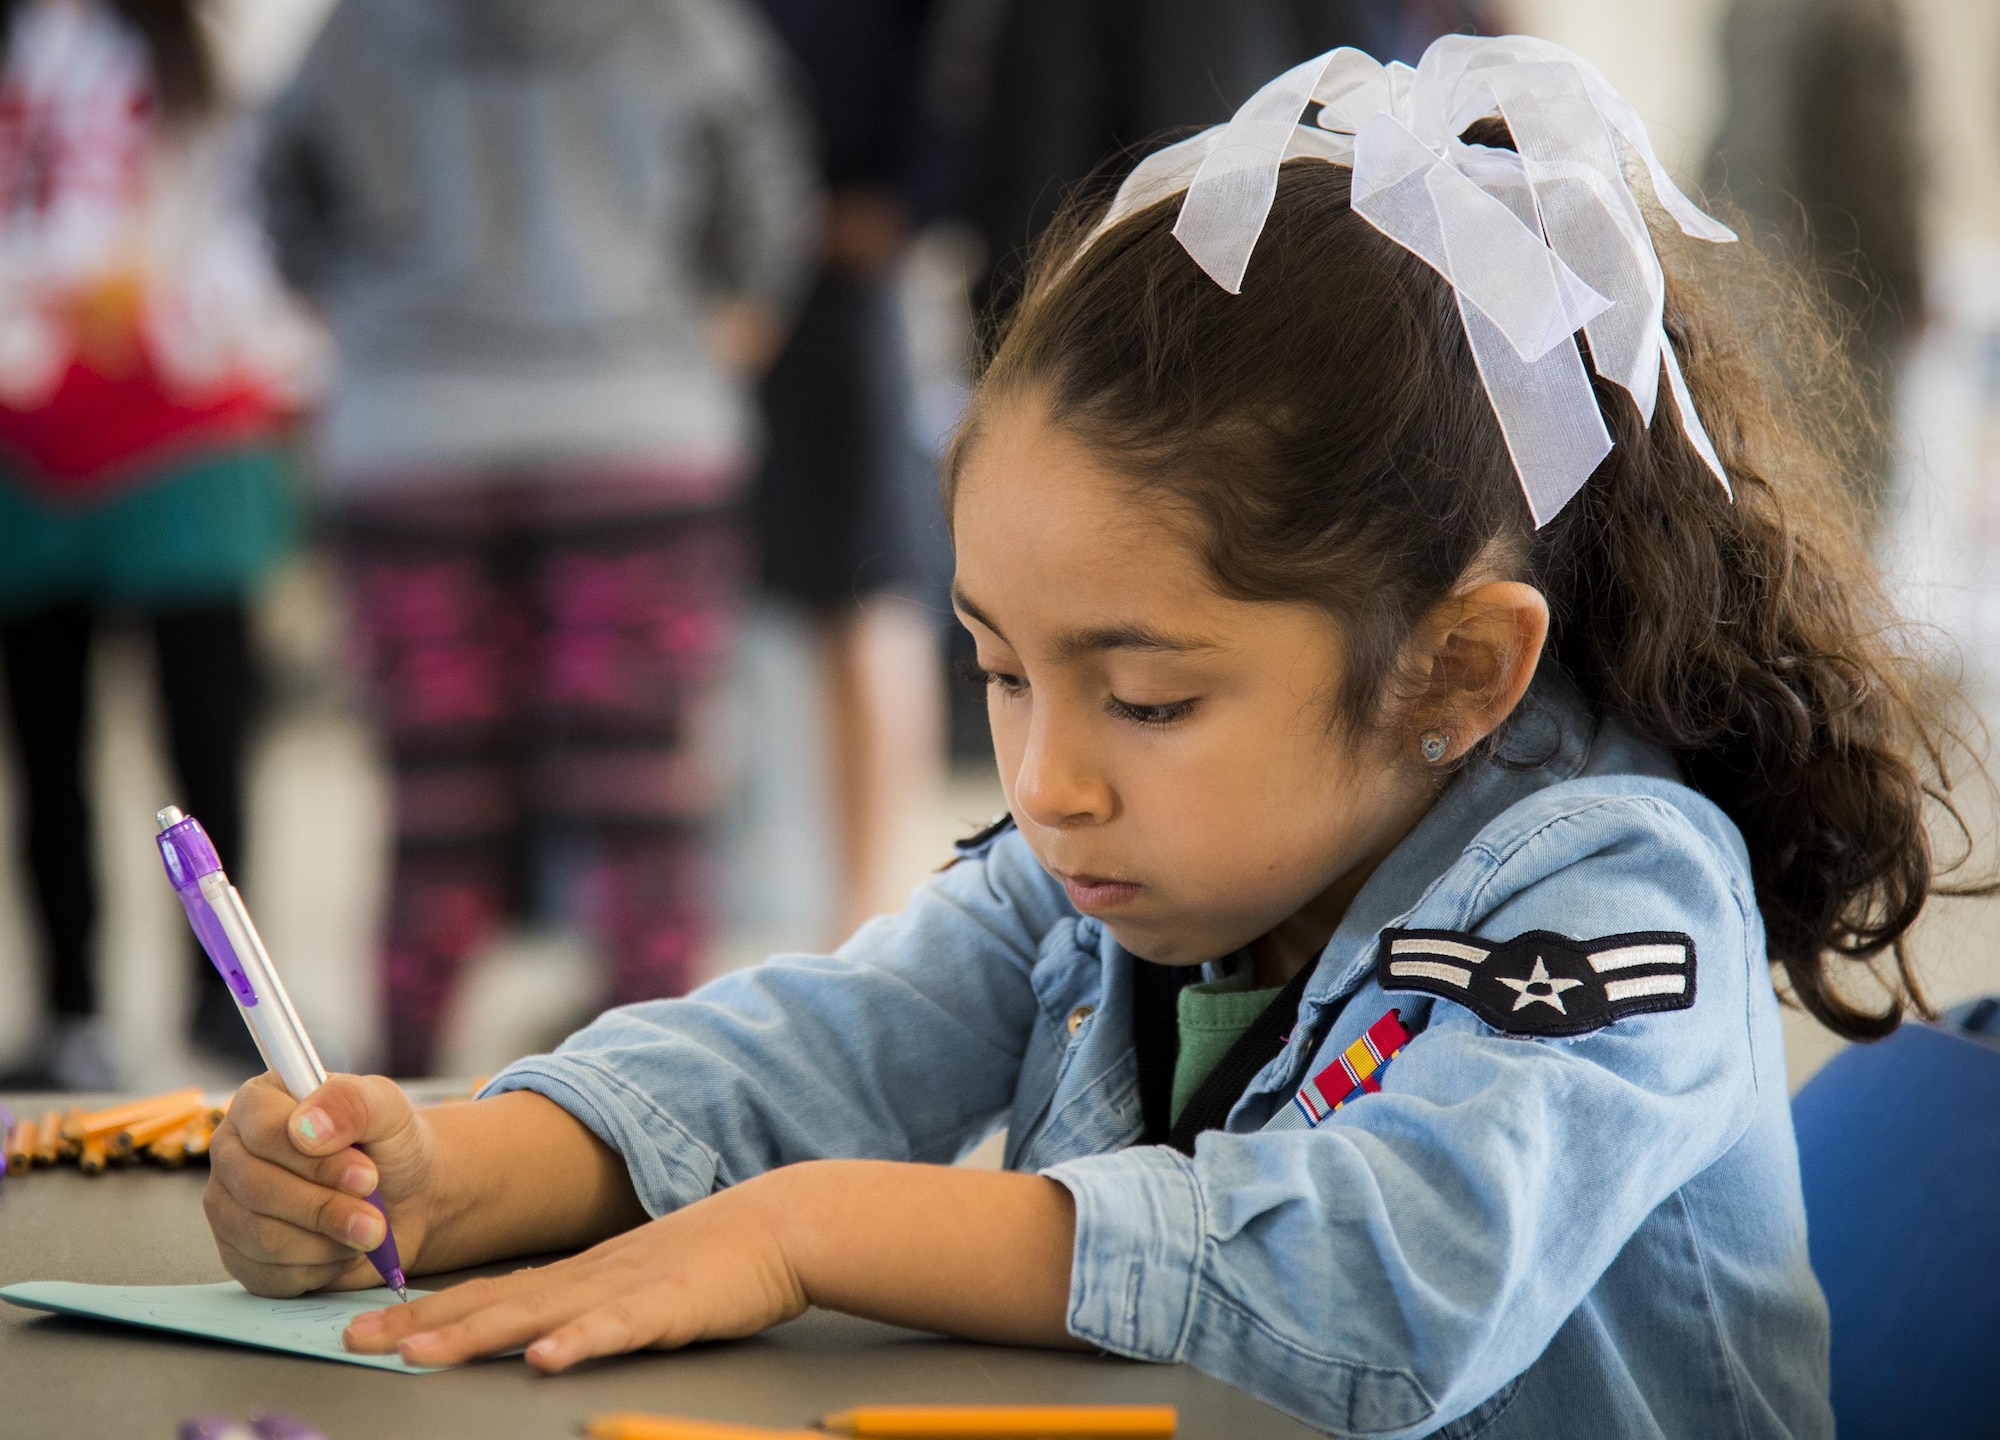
1538,242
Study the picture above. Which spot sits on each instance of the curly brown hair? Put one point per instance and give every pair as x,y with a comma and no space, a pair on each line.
1327,436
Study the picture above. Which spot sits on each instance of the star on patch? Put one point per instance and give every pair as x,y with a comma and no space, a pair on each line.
1540,988
1542,983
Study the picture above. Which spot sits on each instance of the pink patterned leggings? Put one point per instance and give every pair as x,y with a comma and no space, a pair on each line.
546,659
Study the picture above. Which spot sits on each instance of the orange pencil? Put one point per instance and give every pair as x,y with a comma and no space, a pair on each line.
21,1137
113,1116
141,1133
198,1136
90,1159
80,1126
48,1139
1005,1422
633,1426
169,1150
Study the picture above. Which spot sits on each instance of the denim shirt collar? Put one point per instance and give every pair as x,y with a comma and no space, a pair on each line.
1548,740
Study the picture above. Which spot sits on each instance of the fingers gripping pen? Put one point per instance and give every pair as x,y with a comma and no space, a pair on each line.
223,926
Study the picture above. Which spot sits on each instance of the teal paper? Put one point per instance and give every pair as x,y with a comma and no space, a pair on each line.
307,1325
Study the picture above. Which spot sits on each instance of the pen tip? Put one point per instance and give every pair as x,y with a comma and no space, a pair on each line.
403,1294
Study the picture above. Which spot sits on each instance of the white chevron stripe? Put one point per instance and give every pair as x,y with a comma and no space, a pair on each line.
1432,970
1616,990
1450,948
1629,955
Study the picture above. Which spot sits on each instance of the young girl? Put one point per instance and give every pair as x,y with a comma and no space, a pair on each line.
1372,974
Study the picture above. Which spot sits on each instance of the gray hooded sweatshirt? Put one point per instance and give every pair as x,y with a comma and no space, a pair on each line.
518,216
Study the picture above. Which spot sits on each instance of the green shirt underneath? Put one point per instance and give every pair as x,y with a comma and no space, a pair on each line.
1213,1015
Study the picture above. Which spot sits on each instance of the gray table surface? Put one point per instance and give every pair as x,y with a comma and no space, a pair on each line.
76,1378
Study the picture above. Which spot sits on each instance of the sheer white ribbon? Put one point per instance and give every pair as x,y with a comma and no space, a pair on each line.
1537,243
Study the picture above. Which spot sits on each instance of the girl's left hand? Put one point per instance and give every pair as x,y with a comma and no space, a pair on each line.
713,1271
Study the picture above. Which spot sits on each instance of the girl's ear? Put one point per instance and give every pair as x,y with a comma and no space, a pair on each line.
1484,646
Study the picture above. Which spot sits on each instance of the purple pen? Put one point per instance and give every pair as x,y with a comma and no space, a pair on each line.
222,924
269,1425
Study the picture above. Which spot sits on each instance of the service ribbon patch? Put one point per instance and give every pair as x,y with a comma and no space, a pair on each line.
1541,983
1355,1071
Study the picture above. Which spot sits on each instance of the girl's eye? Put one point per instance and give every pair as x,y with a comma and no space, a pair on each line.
1165,714
997,679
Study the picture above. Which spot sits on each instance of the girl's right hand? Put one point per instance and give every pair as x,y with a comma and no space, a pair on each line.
286,1183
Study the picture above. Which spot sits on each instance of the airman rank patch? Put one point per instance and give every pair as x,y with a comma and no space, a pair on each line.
1542,983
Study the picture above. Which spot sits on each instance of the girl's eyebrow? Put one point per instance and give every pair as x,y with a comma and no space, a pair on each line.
960,600
1077,643
1133,636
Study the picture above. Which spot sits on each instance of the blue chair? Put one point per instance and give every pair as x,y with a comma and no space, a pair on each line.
1899,1148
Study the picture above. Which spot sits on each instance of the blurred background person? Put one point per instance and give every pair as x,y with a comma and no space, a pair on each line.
1068,92
554,240
1819,151
849,530
147,362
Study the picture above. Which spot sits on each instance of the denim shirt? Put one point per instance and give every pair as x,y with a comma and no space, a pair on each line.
1515,1237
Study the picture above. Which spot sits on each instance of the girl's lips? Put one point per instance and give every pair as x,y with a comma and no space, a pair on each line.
1092,893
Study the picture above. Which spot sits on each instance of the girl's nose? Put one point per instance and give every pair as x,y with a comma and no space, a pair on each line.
1056,787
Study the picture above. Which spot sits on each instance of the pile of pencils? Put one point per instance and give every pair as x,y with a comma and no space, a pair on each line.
168,1130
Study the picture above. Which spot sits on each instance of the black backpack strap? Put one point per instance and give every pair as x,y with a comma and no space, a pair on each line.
975,845
1156,1039
1208,1108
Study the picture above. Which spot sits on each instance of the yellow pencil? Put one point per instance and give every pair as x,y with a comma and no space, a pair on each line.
138,1134
20,1138
48,1139
91,1159
199,1135
78,1126
69,1134
1005,1422
627,1425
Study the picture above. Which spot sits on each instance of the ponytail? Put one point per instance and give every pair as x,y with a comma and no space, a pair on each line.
1751,637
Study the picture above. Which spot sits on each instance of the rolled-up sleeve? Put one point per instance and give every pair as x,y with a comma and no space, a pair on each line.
1142,1224
906,1044
1386,1272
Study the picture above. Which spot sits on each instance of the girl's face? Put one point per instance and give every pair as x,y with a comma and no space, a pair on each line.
1167,751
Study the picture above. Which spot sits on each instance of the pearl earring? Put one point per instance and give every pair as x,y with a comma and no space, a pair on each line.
1434,744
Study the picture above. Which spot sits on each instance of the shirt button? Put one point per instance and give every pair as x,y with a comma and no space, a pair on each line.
1079,1015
